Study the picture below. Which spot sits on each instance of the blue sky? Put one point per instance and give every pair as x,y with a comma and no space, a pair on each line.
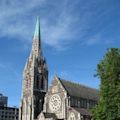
75,36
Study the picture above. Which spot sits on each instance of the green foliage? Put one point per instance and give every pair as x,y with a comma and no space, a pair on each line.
108,70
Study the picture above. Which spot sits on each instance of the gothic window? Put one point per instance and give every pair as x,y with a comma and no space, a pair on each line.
37,82
76,102
55,102
72,116
72,102
42,83
83,103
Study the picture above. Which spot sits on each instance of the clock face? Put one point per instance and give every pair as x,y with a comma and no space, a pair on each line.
55,102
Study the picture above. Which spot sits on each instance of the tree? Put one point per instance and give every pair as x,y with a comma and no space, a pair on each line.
108,70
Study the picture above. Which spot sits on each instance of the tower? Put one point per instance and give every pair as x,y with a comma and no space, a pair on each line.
35,80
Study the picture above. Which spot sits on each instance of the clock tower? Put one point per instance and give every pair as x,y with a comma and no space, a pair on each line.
35,80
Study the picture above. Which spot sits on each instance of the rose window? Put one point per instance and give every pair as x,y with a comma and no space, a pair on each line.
55,103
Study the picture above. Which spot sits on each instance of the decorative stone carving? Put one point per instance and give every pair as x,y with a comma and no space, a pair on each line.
55,103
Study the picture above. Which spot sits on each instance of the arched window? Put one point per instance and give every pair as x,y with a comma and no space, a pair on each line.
72,116
42,83
37,82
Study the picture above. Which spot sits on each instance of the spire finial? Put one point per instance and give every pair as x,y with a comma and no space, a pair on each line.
37,29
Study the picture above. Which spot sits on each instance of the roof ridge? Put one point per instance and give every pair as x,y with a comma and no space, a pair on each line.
78,84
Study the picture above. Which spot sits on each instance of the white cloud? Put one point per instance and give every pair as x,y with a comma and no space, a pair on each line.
59,34
14,18
61,23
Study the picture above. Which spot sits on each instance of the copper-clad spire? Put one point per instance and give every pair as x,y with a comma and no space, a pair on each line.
36,46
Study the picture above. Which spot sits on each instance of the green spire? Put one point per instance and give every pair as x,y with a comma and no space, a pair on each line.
36,46
37,30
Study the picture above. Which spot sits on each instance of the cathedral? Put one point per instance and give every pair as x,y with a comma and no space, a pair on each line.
63,100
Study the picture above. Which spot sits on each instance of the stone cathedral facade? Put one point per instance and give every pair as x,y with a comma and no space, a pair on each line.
63,100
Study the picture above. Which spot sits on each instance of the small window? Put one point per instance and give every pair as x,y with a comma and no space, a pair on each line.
83,103
42,83
37,82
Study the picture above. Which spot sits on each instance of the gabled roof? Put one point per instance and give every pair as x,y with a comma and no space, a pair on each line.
78,90
49,115
83,111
